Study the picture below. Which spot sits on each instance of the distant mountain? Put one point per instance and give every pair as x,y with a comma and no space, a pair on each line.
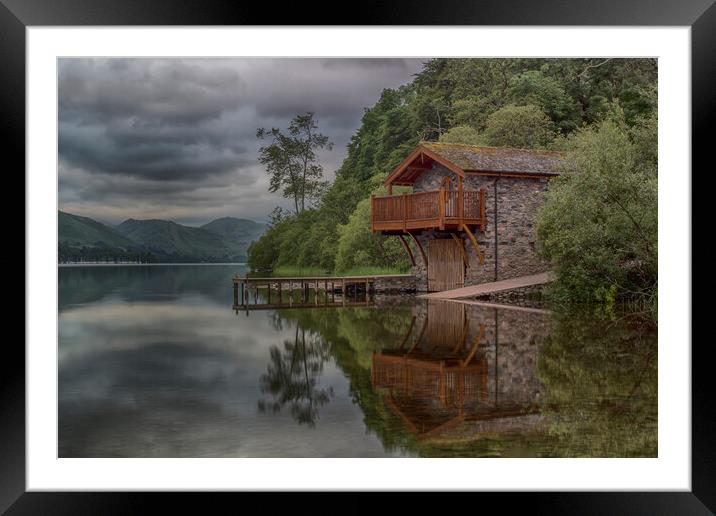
83,239
174,242
82,231
237,231
227,239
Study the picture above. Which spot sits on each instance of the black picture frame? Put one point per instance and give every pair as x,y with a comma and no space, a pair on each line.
17,15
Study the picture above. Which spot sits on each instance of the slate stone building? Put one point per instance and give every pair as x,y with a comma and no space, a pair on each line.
471,214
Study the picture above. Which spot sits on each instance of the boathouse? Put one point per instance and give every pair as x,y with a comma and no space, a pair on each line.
470,212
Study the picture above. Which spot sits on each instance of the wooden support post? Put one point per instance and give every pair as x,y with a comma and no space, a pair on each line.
343,291
441,204
280,296
236,293
461,243
420,248
480,256
407,249
268,287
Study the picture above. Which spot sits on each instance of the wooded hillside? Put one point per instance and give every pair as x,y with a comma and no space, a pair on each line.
529,103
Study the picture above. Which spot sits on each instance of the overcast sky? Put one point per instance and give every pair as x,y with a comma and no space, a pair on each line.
176,138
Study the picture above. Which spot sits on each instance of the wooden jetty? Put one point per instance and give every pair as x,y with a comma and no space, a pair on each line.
265,293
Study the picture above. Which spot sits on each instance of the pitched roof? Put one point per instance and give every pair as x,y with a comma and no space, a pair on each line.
462,158
497,159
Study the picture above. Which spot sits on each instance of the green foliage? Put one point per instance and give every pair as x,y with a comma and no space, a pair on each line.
600,381
462,134
291,160
534,87
525,102
526,127
359,247
599,377
598,225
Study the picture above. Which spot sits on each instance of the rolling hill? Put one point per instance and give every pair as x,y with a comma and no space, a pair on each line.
174,242
83,239
238,231
77,231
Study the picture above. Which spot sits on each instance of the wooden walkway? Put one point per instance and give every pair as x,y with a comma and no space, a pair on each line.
297,291
490,288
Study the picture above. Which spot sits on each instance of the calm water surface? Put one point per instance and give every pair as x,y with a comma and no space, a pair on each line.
154,362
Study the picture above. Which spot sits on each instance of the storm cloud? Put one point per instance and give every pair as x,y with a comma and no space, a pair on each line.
176,138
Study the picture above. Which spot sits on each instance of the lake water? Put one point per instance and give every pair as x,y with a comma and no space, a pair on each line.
154,362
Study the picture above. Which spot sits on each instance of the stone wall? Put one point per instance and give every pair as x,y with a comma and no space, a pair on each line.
518,200
394,284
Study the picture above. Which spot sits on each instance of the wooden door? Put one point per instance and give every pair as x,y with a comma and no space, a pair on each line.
446,270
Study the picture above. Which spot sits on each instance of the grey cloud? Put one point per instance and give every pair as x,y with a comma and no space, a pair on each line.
176,138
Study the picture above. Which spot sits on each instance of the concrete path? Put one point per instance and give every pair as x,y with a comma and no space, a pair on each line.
489,288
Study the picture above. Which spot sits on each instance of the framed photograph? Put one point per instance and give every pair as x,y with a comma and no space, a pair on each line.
419,252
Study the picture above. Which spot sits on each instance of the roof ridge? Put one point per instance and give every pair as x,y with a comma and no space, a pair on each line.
550,151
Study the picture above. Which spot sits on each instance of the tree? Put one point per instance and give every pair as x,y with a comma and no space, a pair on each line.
359,247
598,224
534,87
525,127
291,160
462,134
444,98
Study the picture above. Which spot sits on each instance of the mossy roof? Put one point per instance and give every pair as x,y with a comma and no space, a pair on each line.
498,159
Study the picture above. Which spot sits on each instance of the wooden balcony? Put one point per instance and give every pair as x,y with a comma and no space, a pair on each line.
436,209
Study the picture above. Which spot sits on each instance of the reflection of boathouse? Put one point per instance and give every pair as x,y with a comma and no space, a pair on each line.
450,369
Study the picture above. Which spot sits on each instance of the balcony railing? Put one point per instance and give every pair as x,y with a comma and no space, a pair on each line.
435,209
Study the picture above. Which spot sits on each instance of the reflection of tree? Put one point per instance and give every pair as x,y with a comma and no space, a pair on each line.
351,334
292,378
599,378
600,386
